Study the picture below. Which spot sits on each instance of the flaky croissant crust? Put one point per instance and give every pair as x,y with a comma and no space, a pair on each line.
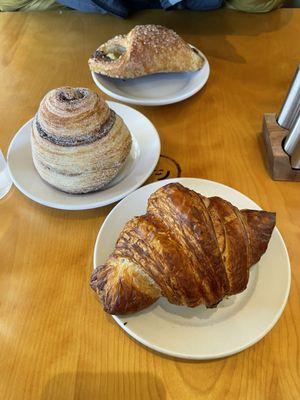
188,248
146,49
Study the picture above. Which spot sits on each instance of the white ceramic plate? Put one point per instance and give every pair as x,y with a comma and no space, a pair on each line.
140,163
156,89
200,333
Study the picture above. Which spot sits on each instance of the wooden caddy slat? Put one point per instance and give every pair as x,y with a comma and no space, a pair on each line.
277,159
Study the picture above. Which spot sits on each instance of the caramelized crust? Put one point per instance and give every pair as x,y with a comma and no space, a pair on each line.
188,248
146,49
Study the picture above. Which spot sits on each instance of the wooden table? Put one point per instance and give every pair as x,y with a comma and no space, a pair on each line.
56,342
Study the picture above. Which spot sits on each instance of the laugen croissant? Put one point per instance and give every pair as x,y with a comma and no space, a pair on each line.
188,248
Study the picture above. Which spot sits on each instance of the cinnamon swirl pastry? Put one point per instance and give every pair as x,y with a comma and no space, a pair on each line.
78,143
146,49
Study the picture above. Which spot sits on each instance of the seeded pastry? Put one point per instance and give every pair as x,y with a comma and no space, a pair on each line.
78,143
146,49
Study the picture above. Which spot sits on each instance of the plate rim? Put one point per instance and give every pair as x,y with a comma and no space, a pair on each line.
96,204
197,356
154,102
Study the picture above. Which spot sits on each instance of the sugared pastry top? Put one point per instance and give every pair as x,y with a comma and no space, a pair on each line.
146,49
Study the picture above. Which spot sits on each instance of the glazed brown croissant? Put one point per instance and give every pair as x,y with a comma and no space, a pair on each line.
188,248
146,49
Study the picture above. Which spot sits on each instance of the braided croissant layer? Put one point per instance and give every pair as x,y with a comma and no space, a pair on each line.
188,248
78,143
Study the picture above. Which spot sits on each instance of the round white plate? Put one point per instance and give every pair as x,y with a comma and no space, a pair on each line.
156,89
139,165
200,333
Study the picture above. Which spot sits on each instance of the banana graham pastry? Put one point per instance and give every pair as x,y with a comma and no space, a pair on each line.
146,49
78,143
188,248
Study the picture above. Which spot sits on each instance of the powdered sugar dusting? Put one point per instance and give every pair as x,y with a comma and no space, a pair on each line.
156,35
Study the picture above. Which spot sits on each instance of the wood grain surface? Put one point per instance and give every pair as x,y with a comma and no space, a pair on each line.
55,341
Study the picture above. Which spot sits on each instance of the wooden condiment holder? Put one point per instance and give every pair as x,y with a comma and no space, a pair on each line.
278,160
